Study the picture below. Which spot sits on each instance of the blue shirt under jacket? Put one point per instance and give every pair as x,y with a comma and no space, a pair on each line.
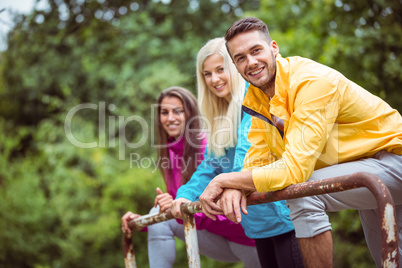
262,221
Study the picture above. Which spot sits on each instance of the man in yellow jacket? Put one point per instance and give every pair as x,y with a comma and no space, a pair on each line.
309,123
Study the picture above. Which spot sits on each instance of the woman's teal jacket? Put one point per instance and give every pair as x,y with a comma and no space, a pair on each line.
262,221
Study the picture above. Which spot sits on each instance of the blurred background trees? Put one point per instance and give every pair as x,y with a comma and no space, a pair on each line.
60,205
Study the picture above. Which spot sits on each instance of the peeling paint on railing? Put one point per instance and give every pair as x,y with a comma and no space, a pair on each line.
390,256
129,257
190,232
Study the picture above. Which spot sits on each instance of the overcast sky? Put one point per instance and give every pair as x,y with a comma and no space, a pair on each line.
7,6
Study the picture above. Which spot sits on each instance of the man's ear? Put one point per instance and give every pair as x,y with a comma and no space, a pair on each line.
275,47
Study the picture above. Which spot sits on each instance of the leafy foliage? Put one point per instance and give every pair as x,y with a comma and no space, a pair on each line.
62,207
359,39
79,73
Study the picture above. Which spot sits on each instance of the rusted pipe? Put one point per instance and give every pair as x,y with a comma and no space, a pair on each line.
191,208
385,203
129,257
190,233
139,223
390,256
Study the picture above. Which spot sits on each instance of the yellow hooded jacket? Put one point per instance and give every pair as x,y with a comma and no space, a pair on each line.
328,119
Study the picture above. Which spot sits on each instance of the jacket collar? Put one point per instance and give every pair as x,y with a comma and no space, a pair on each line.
176,146
257,101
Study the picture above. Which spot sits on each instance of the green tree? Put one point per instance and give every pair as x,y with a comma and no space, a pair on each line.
360,39
61,204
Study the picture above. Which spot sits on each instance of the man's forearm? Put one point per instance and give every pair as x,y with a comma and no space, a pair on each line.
238,180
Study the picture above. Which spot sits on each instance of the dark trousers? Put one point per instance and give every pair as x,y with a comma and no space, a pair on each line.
281,251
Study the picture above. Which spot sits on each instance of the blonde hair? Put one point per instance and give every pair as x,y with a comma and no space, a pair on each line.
219,114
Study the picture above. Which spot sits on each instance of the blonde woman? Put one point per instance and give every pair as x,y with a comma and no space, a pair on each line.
220,94
178,129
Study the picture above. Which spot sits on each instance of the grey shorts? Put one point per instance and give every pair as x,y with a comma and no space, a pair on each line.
309,213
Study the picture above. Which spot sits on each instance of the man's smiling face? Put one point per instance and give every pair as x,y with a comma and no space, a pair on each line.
254,57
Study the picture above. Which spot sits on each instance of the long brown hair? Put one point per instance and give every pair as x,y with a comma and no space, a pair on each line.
192,139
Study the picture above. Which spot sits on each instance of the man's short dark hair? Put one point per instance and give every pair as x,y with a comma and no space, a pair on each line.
246,25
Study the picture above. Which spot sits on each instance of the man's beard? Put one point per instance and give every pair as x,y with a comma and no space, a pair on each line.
265,87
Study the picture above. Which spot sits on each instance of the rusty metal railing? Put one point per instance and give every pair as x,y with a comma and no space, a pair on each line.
389,254
190,232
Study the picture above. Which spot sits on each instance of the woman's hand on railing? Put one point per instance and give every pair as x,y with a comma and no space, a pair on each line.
129,216
163,199
175,208
231,202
